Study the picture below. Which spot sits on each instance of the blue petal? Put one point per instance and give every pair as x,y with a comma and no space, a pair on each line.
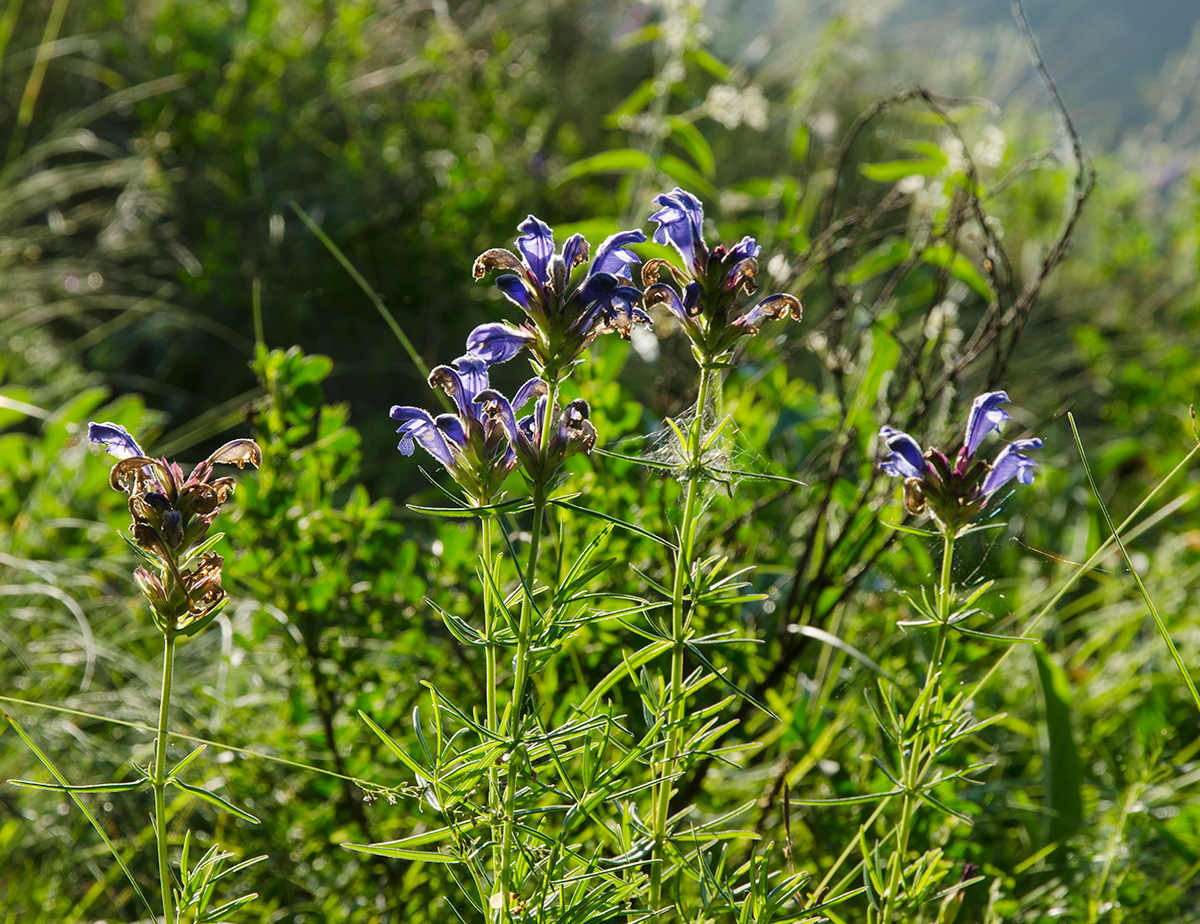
474,371
745,249
497,342
575,251
1011,464
904,459
499,407
114,438
770,308
527,391
516,288
416,424
986,415
681,224
451,428
612,257
662,294
537,245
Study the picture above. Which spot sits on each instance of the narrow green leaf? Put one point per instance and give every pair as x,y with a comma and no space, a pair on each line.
942,255
686,175
1158,620
886,256
599,515
183,764
840,644
392,746
709,62
1063,769
988,636
716,673
206,546
401,853
85,787
516,505
371,294
688,137
622,160
893,171
214,799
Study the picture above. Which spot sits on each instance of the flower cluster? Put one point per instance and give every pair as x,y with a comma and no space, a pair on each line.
562,317
709,280
955,492
470,444
171,518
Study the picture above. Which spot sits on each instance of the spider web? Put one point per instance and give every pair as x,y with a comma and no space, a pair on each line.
726,462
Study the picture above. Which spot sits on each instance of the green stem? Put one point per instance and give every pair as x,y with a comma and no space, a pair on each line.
915,768
489,660
521,676
675,702
160,780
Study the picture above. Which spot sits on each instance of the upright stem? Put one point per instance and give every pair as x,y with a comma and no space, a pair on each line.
489,660
914,769
675,702
160,780
521,675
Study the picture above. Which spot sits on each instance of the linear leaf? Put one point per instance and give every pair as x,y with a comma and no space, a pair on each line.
213,798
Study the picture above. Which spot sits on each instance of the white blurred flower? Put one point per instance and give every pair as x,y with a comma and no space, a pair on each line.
673,72
956,155
941,316
911,184
722,105
754,109
932,196
779,269
733,107
825,125
989,150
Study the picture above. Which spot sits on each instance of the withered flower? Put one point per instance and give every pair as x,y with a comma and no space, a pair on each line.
171,518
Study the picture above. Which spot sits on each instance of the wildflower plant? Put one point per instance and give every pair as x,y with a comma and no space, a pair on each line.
181,581
954,490
557,799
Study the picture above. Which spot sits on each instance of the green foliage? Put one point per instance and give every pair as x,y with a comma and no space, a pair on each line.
150,166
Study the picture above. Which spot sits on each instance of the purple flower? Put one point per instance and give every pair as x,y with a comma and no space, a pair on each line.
1011,464
114,438
986,415
471,444
561,319
904,459
681,224
955,493
705,291
573,432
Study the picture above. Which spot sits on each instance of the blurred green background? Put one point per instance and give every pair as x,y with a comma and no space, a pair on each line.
156,158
